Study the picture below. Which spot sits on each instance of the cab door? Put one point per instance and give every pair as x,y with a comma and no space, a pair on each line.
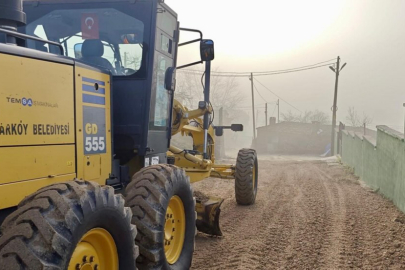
161,99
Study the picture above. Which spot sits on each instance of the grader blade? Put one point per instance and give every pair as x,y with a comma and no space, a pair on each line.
208,210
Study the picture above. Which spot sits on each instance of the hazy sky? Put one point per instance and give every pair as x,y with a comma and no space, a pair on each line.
261,35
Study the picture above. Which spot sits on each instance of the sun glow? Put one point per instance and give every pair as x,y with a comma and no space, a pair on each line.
280,26
263,27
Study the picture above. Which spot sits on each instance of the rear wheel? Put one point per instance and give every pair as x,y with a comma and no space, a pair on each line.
162,203
73,225
246,177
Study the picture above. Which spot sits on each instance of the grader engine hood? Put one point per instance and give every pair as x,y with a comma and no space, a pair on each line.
32,112
36,104
36,108
36,121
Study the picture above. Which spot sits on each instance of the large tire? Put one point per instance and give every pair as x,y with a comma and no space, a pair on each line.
246,177
150,196
45,230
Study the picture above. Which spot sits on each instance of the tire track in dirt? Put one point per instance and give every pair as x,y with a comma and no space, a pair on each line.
307,215
329,255
312,222
249,224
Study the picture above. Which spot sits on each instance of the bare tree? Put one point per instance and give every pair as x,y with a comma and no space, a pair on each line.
355,120
306,117
320,117
289,117
366,120
188,91
224,92
352,117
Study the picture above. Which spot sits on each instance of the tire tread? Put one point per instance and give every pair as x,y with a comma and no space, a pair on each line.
146,194
36,235
244,191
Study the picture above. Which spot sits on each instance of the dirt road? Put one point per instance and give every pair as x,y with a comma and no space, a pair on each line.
308,215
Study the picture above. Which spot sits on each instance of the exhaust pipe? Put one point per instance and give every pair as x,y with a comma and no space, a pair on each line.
11,17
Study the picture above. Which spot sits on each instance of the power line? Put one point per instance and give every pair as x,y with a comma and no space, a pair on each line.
297,70
290,69
272,71
261,73
275,106
259,93
261,106
244,108
277,95
195,72
250,107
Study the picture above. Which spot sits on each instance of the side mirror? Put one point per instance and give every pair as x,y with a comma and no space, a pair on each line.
170,79
207,50
78,50
131,39
219,130
237,127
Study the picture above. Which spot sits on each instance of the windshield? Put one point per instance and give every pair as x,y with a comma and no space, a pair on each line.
104,37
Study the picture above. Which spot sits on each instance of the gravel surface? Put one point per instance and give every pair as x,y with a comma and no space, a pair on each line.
309,214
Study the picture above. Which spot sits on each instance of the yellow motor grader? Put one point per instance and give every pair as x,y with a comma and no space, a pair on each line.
90,179
199,164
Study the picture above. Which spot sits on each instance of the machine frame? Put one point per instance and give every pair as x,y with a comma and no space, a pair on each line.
77,134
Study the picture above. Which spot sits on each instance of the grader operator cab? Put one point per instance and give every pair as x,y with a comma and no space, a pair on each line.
90,179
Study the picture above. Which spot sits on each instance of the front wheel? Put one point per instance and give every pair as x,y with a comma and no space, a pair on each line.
163,207
76,225
246,177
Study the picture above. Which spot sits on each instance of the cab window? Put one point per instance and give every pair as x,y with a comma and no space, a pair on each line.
104,38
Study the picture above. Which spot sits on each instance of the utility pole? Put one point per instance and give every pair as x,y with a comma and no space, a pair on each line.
253,107
278,109
265,112
334,108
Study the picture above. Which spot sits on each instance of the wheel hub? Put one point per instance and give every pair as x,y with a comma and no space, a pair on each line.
175,226
95,251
